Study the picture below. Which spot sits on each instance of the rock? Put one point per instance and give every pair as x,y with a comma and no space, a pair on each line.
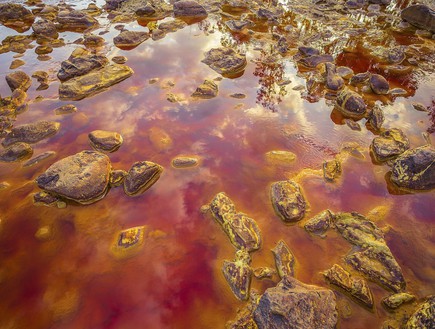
190,9
314,60
172,26
344,72
39,158
119,59
424,316
420,16
75,20
379,84
16,152
65,109
376,118
396,300
389,144
280,157
334,82
238,274
40,76
130,39
320,223
420,107
44,233
414,169
146,11
206,90
352,124
396,56
238,26
82,177
374,258
93,41
80,64
128,242
105,141
43,50
117,178
141,176
32,132
355,287
284,259
242,230
308,51
45,28
46,199
360,78
16,16
263,272
18,80
184,162
331,170
225,61
16,63
351,104
292,304
94,82
288,201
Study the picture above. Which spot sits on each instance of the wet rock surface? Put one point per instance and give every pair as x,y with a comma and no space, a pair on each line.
105,141
292,304
420,16
16,152
184,162
389,144
16,16
320,223
82,177
225,61
415,169
288,201
18,80
130,39
189,9
80,63
41,157
424,316
206,90
396,300
32,132
284,259
351,104
117,177
331,170
238,274
141,176
128,242
75,20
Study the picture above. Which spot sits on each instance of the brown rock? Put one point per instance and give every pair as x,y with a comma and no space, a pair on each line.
45,28
141,176
420,16
18,79
207,90
75,20
288,201
32,132
105,141
16,152
189,9
117,177
130,39
80,64
320,223
16,16
424,315
65,109
389,144
225,61
238,274
284,259
379,84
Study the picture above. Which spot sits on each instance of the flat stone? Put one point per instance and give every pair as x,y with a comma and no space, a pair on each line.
320,223
396,300
16,152
75,20
184,162
292,304
360,78
16,63
141,176
280,157
389,144
93,41
308,51
424,315
420,16
189,9
225,61
105,141
80,64
44,198
82,177
130,39
414,169
18,80
128,242
288,201
357,288
39,158
284,259
238,274
65,109
94,82
238,26
208,89
32,132
172,26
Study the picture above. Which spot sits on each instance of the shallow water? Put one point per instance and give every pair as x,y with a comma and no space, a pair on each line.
175,281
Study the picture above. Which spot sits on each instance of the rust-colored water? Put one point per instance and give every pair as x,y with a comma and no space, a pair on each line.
175,281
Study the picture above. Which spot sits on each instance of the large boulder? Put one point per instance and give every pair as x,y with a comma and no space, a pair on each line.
292,304
31,133
190,9
415,169
94,82
420,16
82,177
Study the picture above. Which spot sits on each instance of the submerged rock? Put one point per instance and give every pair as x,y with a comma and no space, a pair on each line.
376,118
39,158
288,201
351,104
130,39
415,169
184,162
284,259
424,316
105,141
238,274
292,304
263,272
242,230
389,144
225,61
128,242
141,176
16,152
82,177
189,9
32,132
206,90
374,258
331,170
18,80
420,16
238,26
396,300
65,109
355,287
94,82
320,223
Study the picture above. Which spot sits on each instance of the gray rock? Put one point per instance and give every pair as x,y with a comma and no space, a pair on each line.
141,176
292,304
420,16
39,158
32,132
379,84
415,169
16,152
351,104
82,177
334,81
